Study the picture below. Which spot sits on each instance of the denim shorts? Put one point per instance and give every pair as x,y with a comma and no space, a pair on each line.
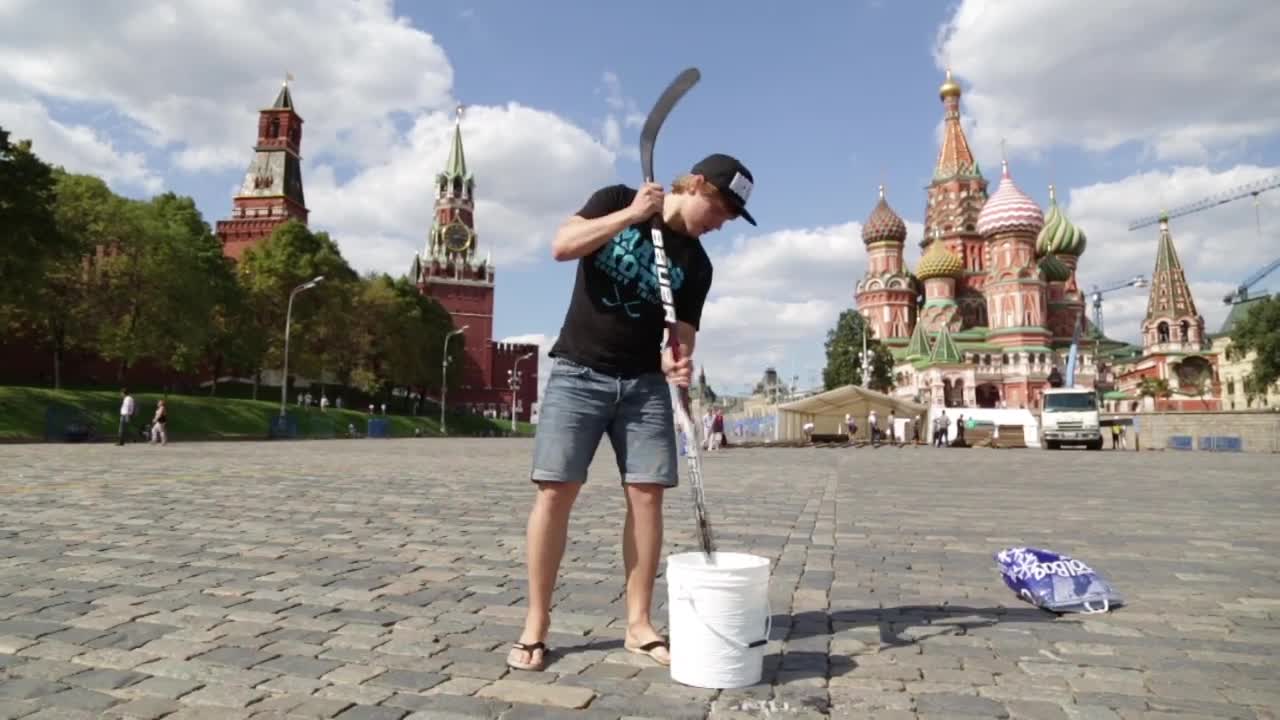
580,406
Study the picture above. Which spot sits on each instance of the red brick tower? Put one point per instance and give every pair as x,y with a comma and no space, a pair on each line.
450,270
886,296
956,196
272,190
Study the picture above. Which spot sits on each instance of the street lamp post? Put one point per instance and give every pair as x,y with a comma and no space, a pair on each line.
444,370
513,381
288,319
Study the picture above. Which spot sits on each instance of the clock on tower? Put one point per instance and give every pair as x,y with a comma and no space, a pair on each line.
457,237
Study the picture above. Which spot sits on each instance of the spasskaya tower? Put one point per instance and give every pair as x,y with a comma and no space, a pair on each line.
452,271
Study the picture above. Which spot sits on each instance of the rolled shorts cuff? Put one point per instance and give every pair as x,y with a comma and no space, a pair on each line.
636,479
545,476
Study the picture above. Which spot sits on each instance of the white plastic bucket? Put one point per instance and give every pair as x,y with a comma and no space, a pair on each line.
719,618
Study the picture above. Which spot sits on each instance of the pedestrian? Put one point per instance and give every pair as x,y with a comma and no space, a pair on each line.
127,407
893,433
915,431
611,375
1124,441
1115,436
324,403
159,425
717,429
873,428
851,425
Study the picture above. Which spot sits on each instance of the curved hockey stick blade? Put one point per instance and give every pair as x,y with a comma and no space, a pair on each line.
658,115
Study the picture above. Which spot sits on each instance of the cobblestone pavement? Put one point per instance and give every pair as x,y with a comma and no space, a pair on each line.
384,579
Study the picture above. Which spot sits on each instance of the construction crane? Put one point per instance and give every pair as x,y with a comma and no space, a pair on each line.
1241,293
1096,294
1251,189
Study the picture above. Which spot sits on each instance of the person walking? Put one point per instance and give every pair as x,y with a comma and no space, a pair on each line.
611,376
159,425
127,408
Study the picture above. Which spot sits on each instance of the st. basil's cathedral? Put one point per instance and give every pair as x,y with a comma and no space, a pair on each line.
1001,301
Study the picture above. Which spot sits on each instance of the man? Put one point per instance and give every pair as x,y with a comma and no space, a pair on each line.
127,408
610,377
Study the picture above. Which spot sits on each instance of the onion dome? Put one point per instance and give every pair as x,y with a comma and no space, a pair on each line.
1054,270
950,88
939,262
1009,209
1059,236
884,225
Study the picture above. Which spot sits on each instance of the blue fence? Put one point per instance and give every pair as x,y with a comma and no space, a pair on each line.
1221,443
1208,443
379,428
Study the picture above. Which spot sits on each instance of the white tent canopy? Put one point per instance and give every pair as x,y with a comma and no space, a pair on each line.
827,410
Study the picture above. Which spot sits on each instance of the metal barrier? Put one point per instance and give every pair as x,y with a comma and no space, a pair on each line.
67,423
1181,442
379,428
283,427
1221,443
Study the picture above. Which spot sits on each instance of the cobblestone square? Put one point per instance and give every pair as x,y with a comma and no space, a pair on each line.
385,579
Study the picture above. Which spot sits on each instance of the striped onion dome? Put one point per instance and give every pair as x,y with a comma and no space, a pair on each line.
1054,270
939,262
884,225
1059,236
1009,209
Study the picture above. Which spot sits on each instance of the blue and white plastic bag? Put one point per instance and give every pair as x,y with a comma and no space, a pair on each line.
1058,583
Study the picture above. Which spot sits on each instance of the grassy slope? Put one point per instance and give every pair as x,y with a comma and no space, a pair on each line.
200,417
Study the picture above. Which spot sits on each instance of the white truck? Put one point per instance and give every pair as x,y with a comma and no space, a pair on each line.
1070,417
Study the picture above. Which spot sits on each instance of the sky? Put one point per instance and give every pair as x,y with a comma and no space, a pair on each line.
1126,107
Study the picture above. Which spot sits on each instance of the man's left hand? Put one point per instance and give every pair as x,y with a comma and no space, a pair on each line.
678,372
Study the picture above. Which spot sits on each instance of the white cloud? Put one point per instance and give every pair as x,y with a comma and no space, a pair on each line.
623,114
78,148
193,77
773,299
532,169
1186,81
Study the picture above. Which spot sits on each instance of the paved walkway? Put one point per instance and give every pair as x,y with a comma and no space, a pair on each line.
384,579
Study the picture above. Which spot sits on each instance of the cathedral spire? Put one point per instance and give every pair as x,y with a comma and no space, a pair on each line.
955,158
1170,296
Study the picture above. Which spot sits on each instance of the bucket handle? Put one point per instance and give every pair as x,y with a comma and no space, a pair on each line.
768,624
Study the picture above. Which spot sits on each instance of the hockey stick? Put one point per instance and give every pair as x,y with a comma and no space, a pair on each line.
679,395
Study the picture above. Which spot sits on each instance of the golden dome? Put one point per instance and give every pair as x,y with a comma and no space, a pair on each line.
939,262
950,88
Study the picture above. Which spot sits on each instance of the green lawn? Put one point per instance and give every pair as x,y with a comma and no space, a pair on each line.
24,410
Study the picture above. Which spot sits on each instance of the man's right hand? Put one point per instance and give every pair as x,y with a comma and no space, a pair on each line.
647,203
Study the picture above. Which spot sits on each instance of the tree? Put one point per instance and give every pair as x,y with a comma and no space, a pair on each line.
29,240
400,337
269,272
1258,333
157,267
61,315
1154,388
844,351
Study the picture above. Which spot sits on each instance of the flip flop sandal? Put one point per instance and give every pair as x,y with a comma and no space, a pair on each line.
649,647
529,648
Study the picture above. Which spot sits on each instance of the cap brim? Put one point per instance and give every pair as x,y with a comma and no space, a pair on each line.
746,216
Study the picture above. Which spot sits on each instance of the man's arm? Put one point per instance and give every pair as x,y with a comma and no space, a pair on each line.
681,373
579,237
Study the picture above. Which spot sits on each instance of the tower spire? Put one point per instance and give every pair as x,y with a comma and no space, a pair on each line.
457,166
1170,295
955,158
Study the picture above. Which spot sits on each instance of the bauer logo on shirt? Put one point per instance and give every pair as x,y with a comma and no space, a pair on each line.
628,261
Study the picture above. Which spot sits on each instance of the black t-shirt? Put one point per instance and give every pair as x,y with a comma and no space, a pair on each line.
615,320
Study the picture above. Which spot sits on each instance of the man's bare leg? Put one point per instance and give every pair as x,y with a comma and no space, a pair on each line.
641,551
545,539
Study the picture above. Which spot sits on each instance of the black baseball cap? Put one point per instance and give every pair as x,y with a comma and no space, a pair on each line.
728,175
